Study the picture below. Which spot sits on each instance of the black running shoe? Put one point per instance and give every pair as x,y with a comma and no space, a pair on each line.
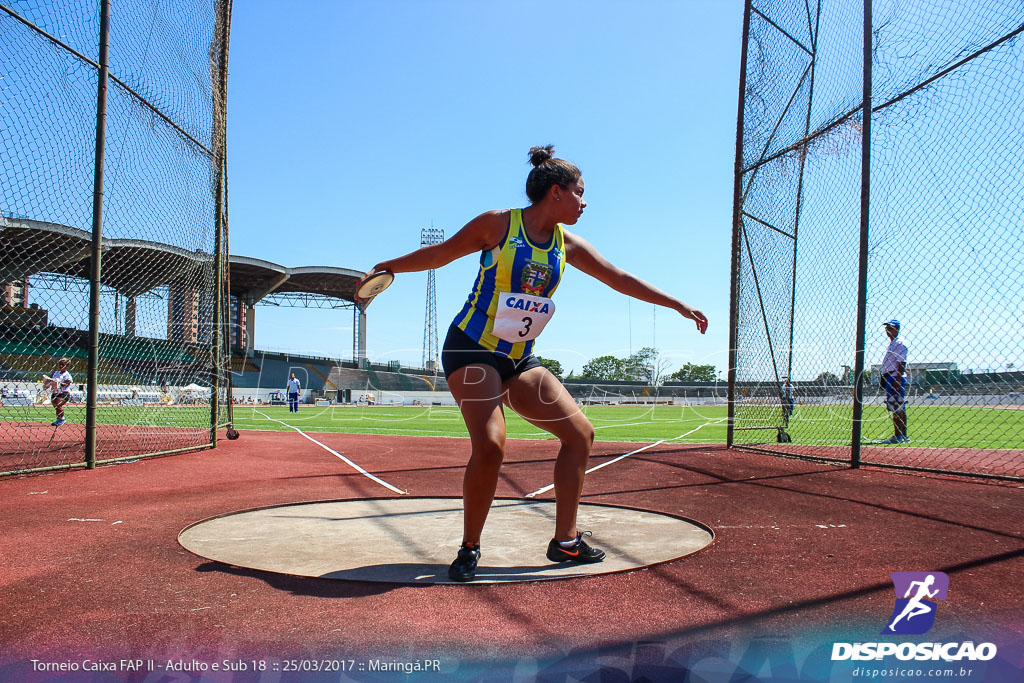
464,566
581,552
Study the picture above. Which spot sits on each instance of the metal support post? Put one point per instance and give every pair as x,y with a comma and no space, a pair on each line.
97,236
862,281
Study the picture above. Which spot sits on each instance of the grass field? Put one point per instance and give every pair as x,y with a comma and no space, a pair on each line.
612,423
929,426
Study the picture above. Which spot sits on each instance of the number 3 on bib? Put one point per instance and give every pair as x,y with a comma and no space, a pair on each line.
520,317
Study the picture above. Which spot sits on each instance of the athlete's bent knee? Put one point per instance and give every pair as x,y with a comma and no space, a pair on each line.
490,448
581,438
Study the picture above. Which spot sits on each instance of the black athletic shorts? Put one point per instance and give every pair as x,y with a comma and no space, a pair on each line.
66,395
460,350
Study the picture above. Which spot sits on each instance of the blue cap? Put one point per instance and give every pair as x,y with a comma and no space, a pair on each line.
892,323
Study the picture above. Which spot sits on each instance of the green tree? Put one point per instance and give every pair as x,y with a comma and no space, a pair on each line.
637,368
646,366
607,368
552,365
827,378
694,373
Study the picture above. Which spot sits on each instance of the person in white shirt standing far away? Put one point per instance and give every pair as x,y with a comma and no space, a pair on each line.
893,379
59,383
293,394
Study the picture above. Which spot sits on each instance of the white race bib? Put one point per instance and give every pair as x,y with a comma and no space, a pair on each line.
521,317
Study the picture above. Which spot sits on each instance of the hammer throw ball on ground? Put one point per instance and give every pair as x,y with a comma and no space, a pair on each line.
231,433
373,284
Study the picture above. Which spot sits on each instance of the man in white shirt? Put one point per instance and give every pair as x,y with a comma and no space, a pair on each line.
59,384
893,379
293,394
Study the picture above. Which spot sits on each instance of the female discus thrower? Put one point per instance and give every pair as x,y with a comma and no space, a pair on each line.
488,354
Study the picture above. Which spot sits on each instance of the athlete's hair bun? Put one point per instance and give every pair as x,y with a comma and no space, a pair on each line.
538,155
548,171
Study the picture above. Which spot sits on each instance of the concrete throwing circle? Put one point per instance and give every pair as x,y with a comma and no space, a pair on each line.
413,540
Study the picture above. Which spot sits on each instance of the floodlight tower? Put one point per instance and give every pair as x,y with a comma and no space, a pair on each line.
429,236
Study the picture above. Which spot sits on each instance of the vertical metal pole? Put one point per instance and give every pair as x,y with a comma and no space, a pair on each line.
220,247
800,188
862,282
250,326
734,287
229,398
361,314
97,236
218,302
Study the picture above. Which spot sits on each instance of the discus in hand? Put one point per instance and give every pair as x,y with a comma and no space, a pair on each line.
371,285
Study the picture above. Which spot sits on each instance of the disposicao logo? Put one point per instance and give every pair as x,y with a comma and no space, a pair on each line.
914,612
917,594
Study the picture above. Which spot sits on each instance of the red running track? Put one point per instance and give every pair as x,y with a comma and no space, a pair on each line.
91,565
28,445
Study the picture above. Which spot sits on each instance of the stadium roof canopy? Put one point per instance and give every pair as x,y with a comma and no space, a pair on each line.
252,279
133,267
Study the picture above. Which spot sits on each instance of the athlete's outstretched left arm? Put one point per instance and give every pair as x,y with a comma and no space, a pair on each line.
483,232
580,254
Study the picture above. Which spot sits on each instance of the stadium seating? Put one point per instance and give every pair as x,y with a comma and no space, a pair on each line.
370,379
9,373
271,371
28,352
243,364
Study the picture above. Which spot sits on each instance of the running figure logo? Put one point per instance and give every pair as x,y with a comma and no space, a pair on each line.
914,612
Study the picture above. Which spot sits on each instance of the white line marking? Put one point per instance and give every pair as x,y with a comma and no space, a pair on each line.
713,422
394,429
334,452
631,424
626,455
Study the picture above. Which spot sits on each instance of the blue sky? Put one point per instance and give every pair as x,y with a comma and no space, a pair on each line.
352,125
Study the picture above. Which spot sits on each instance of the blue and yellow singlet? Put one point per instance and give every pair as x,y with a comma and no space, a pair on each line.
520,267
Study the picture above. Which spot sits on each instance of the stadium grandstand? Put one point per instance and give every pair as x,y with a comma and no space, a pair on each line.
40,256
138,365
172,367
259,376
